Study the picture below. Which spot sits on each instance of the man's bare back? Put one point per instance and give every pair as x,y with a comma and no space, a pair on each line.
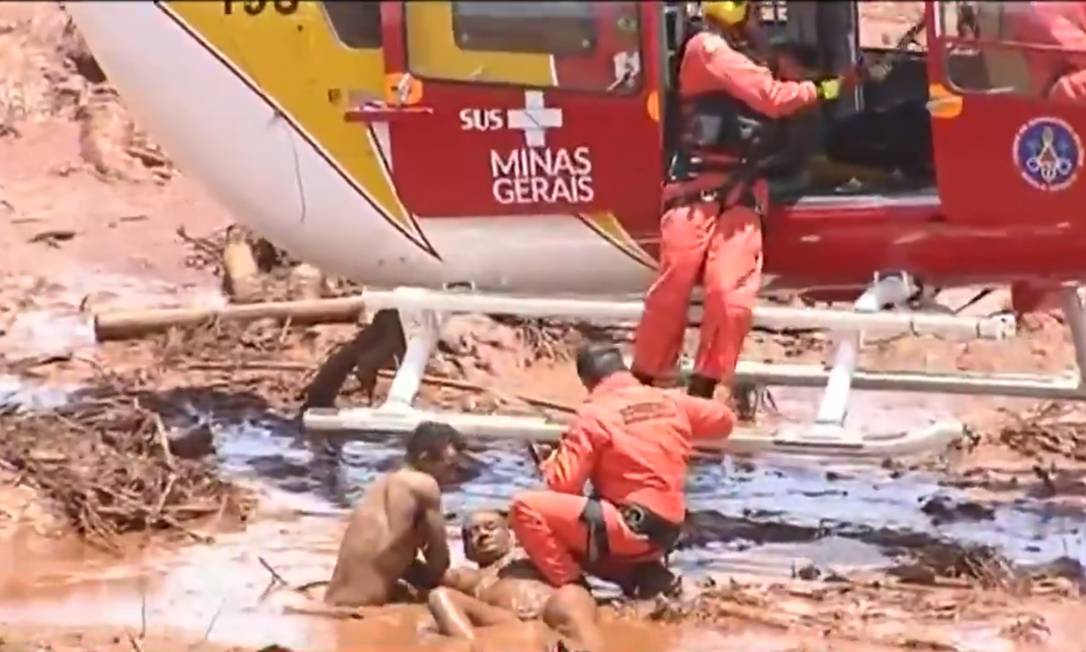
390,526
398,517
507,588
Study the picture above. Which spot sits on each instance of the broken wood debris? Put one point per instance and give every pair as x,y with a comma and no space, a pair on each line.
136,323
52,237
103,461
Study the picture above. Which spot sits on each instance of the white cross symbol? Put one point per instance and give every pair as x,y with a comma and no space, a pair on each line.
534,119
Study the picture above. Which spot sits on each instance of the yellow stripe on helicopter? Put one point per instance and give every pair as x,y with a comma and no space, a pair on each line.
299,64
608,227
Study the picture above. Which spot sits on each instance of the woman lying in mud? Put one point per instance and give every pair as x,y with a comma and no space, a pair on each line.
398,518
506,588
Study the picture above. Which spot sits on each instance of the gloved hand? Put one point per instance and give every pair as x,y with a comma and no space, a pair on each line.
829,89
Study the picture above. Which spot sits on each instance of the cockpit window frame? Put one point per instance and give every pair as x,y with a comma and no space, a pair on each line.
625,91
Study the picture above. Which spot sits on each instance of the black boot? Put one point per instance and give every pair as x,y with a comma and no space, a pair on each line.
655,579
701,386
643,378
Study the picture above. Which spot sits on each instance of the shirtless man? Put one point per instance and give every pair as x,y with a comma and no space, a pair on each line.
399,517
507,588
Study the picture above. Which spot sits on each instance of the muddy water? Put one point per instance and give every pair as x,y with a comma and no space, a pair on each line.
761,516
54,323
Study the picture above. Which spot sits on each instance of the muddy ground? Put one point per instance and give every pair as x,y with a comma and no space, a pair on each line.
146,486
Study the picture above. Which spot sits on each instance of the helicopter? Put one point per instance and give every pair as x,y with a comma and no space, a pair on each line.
508,158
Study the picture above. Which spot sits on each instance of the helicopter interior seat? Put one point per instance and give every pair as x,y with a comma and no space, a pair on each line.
889,140
885,147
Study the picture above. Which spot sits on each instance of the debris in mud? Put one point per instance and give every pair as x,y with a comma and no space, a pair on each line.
53,237
112,144
542,339
943,510
108,462
975,563
1058,428
241,278
277,276
1028,628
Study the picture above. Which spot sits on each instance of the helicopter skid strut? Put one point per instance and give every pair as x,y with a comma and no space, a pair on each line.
423,313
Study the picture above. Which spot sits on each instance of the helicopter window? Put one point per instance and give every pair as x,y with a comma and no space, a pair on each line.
1012,47
588,46
885,26
356,24
557,28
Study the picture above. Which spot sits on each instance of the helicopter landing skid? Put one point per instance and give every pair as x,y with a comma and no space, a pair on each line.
818,440
423,312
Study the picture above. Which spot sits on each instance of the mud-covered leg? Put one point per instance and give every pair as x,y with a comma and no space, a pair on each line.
458,614
574,614
376,346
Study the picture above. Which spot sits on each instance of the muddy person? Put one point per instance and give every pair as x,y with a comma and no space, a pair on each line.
507,588
634,443
395,544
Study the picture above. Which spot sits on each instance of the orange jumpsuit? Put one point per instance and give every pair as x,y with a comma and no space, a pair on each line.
698,241
633,442
1063,24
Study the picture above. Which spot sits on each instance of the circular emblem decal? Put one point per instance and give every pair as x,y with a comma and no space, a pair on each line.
1048,153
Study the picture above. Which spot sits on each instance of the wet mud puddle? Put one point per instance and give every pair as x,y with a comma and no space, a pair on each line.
757,517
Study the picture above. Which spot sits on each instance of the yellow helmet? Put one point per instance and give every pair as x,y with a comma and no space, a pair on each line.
725,13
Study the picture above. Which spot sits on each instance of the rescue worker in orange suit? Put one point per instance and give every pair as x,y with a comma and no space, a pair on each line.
711,229
634,443
1057,75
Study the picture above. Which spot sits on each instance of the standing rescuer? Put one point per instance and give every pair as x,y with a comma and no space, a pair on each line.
714,200
633,442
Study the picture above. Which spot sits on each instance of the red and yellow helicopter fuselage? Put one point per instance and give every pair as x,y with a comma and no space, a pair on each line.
519,146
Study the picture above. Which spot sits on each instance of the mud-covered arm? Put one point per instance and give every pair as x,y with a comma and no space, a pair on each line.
571,464
708,419
432,521
461,579
451,618
736,74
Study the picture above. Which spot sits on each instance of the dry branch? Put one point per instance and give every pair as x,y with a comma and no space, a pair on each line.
103,463
136,323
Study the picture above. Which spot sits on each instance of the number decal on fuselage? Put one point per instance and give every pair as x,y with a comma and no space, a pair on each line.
257,7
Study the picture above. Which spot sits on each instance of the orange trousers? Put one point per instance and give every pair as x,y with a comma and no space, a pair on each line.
724,252
548,526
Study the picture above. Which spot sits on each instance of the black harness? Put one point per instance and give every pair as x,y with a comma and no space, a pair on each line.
642,521
717,123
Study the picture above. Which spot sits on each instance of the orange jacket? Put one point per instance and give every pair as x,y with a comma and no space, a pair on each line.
634,442
711,65
1062,24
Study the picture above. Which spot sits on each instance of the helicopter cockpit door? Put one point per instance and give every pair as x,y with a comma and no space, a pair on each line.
1006,144
506,108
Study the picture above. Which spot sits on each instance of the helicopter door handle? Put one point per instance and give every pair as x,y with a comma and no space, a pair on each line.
386,113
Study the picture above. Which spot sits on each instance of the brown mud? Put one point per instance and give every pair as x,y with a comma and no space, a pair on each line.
181,453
